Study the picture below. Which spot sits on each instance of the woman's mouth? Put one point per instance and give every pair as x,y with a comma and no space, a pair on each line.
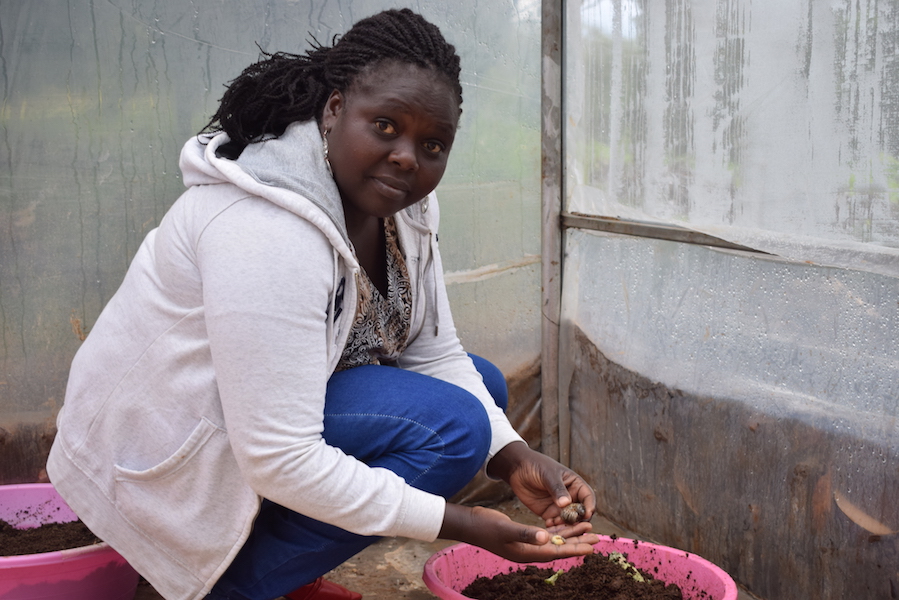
391,187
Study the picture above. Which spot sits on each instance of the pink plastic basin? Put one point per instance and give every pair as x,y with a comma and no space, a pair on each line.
449,571
90,573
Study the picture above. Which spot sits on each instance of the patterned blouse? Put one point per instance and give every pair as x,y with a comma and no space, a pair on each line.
381,328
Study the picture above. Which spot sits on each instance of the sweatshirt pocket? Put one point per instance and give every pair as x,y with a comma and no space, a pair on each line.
204,430
194,505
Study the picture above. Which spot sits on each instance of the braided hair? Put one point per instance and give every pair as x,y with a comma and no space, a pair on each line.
283,88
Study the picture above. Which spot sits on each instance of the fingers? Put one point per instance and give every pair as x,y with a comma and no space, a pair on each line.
528,534
570,531
541,537
578,540
586,496
497,533
559,491
582,493
578,546
572,513
567,487
538,537
588,538
573,546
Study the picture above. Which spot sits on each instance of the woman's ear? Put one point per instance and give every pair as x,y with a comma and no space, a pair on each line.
333,108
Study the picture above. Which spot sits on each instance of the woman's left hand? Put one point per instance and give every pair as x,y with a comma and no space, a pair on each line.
541,483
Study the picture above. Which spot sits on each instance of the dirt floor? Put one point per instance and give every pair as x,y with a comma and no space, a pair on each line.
392,568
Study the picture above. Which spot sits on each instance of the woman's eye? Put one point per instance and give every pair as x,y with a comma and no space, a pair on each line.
385,127
434,147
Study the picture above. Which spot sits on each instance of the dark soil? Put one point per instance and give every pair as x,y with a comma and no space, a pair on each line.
49,537
598,578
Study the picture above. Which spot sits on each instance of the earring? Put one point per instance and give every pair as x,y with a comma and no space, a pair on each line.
325,150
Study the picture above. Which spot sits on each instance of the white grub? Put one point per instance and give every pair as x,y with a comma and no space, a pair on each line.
573,513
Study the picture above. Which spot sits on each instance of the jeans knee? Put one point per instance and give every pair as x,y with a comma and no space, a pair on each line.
482,435
494,380
466,449
432,433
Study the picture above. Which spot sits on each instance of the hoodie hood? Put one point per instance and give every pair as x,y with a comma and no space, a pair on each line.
289,170
296,161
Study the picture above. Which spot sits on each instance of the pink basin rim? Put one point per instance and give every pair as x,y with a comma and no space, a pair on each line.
450,570
86,573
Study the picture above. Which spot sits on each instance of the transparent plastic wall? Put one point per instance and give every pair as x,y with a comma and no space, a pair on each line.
99,97
748,407
768,125
771,124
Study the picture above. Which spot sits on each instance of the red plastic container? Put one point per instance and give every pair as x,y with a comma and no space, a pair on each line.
449,571
90,573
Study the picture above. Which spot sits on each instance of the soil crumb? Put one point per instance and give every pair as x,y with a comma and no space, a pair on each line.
598,578
49,537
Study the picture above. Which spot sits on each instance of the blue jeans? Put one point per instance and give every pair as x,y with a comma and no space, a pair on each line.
433,434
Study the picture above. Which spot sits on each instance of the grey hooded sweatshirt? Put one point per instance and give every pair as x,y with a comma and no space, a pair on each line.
201,387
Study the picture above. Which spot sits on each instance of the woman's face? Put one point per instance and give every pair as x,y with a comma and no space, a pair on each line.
389,138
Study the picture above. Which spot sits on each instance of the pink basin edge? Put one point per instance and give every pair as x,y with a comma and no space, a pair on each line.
57,557
45,493
450,570
64,574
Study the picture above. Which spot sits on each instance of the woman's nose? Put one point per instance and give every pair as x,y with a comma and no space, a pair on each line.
404,156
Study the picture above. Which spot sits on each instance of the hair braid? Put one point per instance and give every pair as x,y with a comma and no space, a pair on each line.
282,88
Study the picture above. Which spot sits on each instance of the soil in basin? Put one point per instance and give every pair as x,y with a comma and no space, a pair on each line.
49,537
598,578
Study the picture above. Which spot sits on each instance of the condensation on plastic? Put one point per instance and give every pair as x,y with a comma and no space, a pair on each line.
742,405
739,405
769,125
773,125
98,99
779,335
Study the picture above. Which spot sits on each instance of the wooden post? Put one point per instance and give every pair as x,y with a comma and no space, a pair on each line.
551,244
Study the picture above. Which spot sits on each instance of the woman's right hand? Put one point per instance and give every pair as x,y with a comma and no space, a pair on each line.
497,533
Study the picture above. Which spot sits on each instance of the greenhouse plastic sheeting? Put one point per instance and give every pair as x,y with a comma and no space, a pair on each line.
98,99
768,124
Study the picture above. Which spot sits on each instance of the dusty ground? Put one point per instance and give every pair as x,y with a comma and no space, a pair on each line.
392,568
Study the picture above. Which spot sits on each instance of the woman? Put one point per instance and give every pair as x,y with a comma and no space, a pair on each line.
278,381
